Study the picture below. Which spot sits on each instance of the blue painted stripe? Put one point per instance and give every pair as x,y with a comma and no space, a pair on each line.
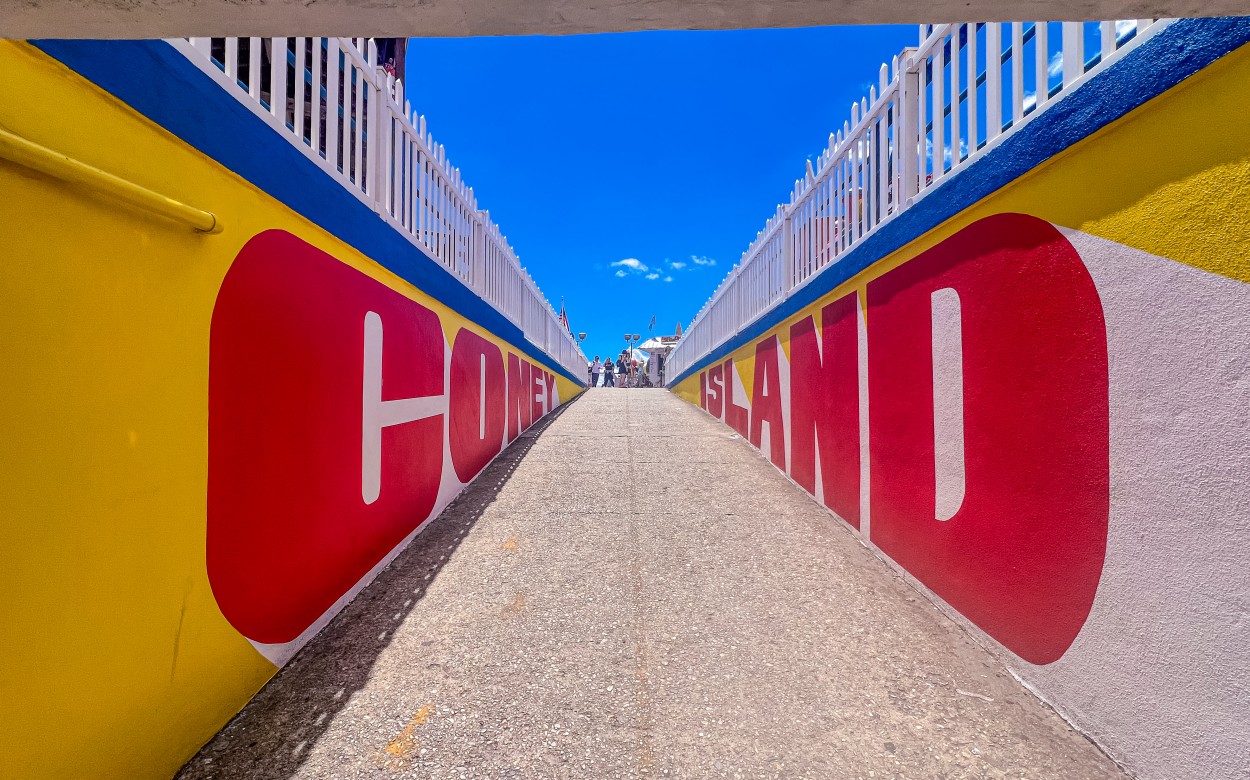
1158,64
157,81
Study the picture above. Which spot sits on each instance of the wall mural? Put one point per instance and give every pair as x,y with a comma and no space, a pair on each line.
327,437
989,464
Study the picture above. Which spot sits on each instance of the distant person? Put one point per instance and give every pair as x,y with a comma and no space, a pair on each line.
622,369
608,369
595,368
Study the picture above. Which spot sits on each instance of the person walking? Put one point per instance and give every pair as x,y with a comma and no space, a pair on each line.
595,368
622,370
608,370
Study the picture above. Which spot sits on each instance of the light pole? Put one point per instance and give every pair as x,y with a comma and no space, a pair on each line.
578,339
633,374
631,340
627,338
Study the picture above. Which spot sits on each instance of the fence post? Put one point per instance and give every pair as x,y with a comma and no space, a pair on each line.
909,112
277,79
333,120
787,257
477,254
377,135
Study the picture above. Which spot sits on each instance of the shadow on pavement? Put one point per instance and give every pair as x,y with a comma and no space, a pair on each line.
272,737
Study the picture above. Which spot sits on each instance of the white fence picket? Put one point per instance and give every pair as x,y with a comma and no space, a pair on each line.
993,81
253,68
1041,64
1017,72
1073,51
331,110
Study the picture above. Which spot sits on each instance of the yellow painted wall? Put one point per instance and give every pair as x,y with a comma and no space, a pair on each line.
115,661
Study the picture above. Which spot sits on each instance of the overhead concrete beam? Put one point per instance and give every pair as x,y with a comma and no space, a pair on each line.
394,18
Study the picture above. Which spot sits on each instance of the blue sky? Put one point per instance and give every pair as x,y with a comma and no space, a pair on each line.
616,163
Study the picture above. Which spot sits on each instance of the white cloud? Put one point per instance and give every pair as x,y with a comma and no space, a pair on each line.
1122,28
1030,101
633,264
1056,65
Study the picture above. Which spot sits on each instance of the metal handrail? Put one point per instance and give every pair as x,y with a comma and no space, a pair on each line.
61,166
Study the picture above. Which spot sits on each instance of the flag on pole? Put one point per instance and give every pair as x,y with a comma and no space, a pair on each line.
564,317
651,327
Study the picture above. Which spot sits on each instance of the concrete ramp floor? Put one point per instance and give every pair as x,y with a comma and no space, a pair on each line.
631,591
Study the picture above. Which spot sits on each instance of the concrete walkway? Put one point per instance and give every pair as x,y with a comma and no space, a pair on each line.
631,591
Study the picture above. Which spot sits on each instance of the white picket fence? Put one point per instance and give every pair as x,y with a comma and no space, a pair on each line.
935,110
330,98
